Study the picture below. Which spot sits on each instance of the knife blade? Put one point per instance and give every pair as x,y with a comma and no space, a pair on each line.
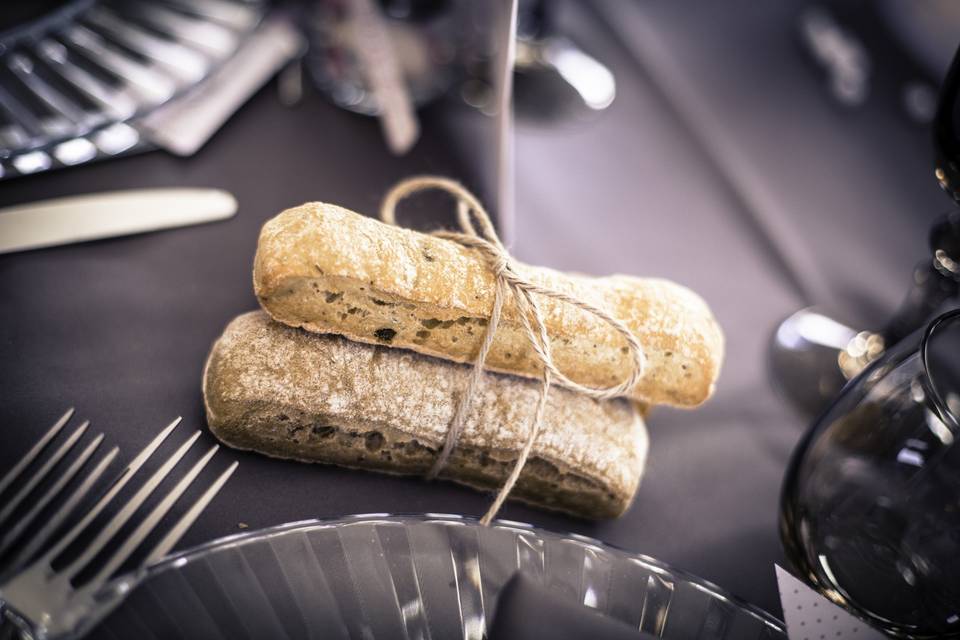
105,215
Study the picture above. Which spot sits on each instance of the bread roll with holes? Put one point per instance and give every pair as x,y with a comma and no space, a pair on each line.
329,270
290,393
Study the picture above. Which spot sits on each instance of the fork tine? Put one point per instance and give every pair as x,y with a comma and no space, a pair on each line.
121,517
118,484
150,522
35,451
41,537
49,495
174,535
39,476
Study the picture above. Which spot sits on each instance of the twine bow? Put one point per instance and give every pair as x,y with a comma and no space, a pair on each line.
508,280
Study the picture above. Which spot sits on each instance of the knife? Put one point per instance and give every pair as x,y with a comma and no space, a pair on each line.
105,215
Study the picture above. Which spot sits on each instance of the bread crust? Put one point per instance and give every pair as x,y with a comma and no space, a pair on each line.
293,394
329,270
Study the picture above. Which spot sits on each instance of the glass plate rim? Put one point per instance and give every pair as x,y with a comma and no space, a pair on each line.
179,558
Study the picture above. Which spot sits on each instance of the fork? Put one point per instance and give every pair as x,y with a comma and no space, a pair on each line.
42,602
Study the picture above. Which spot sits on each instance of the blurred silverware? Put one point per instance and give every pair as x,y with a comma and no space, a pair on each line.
184,125
109,214
42,601
74,84
839,52
426,41
592,81
555,79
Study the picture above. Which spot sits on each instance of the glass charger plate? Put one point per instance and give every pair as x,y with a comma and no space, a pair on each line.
432,576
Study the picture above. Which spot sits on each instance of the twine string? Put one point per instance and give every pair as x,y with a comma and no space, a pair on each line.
477,232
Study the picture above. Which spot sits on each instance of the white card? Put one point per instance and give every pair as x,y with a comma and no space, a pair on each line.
810,616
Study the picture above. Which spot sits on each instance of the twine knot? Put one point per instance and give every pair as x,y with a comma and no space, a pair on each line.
507,280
